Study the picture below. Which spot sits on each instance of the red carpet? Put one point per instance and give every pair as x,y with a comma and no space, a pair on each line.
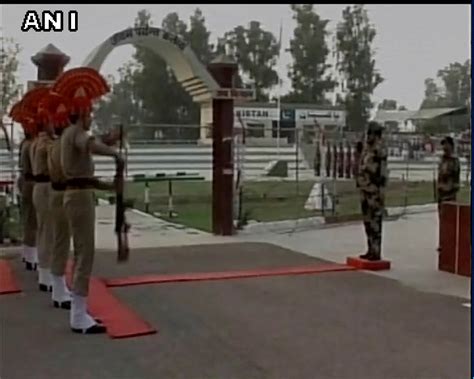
191,277
8,282
121,321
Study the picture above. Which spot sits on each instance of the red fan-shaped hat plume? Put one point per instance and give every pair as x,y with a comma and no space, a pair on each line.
15,112
28,122
54,108
81,86
31,100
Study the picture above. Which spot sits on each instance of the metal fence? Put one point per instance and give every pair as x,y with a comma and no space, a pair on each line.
275,179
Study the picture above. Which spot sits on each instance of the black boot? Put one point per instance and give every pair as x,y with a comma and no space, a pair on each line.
31,266
45,288
94,329
62,304
373,257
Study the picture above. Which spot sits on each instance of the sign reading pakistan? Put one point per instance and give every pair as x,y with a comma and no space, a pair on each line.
148,31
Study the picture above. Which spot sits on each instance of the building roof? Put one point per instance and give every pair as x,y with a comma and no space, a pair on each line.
426,114
383,116
289,106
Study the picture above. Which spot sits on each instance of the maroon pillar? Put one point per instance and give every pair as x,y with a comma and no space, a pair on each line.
223,69
50,62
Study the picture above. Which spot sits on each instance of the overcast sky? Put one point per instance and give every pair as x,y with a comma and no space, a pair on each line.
413,41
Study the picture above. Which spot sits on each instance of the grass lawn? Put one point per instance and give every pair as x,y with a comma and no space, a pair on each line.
271,201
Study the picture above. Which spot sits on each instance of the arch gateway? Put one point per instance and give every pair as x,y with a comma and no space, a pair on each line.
211,87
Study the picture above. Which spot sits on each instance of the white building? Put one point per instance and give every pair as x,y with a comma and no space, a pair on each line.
396,121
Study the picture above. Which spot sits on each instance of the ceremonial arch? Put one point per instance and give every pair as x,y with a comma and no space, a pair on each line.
211,86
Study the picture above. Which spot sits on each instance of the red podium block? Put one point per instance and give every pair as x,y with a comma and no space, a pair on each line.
364,264
455,239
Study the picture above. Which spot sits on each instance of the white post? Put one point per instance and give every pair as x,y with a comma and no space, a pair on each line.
279,88
278,119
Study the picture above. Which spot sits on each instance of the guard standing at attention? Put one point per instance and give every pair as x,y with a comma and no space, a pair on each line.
41,194
371,181
26,184
449,173
57,110
38,158
81,86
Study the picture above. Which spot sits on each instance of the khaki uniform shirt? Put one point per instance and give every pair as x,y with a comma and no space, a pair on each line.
25,162
54,162
40,154
76,157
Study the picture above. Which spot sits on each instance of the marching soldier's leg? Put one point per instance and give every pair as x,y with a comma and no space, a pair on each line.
80,210
44,234
29,228
61,295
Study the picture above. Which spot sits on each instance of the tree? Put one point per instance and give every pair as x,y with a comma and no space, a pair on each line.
10,88
432,95
356,63
457,83
308,73
123,103
454,89
388,104
198,37
256,52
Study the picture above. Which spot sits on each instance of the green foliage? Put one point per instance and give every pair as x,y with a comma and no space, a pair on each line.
9,88
123,104
154,95
388,104
308,73
356,63
257,52
455,89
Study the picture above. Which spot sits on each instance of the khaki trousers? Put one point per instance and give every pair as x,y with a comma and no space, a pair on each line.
61,234
80,211
28,214
44,235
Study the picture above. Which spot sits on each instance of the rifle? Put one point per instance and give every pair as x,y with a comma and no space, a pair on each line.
121,225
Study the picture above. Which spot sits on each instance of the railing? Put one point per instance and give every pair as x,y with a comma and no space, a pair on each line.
276,182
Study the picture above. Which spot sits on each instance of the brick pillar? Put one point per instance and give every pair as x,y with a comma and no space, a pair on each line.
223,69
50,62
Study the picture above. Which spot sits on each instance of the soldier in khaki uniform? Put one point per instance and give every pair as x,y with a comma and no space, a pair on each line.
371,181
26,185
77,148
449,173
55,110
41,193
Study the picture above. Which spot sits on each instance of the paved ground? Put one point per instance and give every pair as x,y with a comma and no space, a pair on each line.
331,325
410,243
407,323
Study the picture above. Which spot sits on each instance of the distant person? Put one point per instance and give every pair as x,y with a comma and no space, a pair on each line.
371,181
449,172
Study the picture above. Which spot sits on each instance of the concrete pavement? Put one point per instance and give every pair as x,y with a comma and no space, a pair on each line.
409,322
346,325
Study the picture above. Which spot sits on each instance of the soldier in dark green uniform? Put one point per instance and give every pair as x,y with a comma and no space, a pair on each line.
371,181
449,172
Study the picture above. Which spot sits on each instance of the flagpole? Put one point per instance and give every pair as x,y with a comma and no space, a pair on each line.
279,89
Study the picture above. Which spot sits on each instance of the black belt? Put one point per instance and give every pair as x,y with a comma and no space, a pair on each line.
81,183
41,178
29,176
58,186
